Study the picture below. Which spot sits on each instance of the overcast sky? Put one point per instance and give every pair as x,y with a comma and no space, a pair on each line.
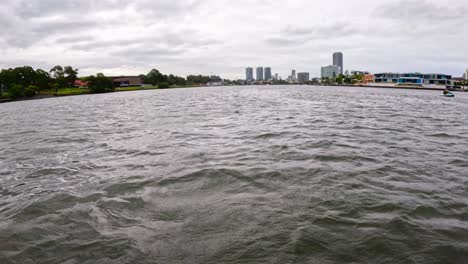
223,37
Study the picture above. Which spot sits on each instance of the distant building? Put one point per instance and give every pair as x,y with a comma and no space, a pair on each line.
293,75
466,75
368,78
276,77
359,72
331,71
428,79
249,75
80,84
125,81
410,81
259,74
338,60
303,77
268,74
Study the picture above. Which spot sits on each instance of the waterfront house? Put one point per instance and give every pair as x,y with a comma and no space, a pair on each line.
368,78
80,84
126,81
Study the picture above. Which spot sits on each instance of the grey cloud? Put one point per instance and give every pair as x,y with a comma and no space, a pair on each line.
31,21
74,39
162,8
282,41
293,35
66,27
329,30
41,8
412,10
94,45
148,53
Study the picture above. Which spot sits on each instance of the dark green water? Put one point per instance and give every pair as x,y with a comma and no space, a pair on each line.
236,175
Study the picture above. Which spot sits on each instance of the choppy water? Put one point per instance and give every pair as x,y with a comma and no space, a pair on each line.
236,175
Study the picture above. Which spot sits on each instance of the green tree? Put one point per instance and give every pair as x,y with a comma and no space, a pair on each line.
100,84
31,91
24,76
340,78
70,75
16,91
58,76
7,79
154,77
163,85
42,79
198,79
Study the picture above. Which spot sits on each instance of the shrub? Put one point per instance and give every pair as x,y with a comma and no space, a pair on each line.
31,91
16,91
100,84
163,85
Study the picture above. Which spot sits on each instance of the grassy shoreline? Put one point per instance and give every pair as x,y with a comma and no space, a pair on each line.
73,91
83,91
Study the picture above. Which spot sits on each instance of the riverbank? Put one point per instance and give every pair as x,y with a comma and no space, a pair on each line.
84,91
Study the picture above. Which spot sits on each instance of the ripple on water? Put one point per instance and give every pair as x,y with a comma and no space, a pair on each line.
235,175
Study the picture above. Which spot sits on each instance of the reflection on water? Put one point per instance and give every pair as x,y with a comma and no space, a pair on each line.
236,175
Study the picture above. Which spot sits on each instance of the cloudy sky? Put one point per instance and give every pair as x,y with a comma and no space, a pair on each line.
223,37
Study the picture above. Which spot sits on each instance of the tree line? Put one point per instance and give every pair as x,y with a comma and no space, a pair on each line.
26,82
156,78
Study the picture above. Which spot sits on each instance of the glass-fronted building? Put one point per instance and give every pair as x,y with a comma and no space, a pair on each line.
427,79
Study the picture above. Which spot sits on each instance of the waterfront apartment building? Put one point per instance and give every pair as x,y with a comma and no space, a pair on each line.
330,71
260,74
268,76
249,75
303,77
416,78
338,60
359,72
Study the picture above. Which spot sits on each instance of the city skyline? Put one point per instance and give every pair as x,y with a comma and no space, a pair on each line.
194,37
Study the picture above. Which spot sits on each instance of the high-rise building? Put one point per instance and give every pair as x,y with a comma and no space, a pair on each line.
267,74
331,71
338,60
249,76
293,75
259,74
276,77
466,75
303,77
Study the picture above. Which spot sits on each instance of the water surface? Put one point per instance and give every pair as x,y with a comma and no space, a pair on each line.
269,174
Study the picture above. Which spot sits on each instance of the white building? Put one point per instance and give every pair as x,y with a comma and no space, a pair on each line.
331,71
303,77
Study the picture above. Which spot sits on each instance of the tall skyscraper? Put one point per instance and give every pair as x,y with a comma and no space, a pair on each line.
249,76
466,75
338,60
267,74
259,74
293,75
